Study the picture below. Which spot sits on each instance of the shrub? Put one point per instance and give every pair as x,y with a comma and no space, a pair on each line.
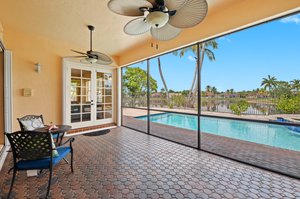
289,105
239,107
178,100
170,105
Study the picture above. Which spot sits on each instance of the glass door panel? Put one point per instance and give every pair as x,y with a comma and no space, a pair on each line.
108,99
108,115
90,96
100,115
100,107
108,107
76,73
86,74
108,92
100,96
107,80
104,98
81,95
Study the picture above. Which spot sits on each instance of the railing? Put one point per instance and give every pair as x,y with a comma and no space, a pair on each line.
257,106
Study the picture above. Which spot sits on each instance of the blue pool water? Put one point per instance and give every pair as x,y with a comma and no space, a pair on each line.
263,133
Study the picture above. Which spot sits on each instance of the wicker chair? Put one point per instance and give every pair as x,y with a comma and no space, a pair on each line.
33,151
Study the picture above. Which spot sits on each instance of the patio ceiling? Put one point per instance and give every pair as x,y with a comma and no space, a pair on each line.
65,20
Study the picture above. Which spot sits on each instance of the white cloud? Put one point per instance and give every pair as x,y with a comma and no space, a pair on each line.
292,19
191,58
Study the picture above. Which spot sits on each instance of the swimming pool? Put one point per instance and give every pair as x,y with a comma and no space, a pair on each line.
263,133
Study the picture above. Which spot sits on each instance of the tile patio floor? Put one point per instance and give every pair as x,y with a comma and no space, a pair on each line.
129,164
278,159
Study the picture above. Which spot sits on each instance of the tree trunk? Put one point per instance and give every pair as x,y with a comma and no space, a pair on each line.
202,53
193,84
162,78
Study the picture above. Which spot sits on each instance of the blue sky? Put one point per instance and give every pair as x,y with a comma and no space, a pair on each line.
242,59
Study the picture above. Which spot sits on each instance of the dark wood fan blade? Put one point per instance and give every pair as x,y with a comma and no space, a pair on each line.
160,2
79,56
78,52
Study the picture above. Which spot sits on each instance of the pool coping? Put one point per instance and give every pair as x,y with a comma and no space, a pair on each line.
227,118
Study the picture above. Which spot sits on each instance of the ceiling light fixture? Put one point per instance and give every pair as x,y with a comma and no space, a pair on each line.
157,19
164,19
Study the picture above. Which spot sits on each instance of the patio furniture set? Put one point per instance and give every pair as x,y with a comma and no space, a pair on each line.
34,148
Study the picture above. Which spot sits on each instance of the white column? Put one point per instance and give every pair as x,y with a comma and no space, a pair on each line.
8,98
119,95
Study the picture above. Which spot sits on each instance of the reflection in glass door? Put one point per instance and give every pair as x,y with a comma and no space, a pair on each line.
81,95
104,96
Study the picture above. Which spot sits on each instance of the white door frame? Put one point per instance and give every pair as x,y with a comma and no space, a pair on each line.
8,102
8,98
67,65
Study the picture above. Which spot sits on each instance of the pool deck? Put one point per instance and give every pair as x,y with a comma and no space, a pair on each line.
281,160
139,112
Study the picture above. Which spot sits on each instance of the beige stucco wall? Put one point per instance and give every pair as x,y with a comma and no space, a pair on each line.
46,85
1,31
237,14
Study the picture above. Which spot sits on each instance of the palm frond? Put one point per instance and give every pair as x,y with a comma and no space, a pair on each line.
210,54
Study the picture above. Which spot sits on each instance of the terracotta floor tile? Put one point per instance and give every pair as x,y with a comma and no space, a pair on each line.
128,164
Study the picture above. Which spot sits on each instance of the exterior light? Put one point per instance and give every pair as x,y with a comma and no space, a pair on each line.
38,67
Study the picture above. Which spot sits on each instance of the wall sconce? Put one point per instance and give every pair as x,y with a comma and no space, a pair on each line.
38,67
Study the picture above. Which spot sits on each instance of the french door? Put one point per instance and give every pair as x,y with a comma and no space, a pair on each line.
88,95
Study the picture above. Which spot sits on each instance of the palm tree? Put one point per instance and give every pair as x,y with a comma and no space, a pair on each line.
162,77
214,90
208,88
204,50
296,84
269,83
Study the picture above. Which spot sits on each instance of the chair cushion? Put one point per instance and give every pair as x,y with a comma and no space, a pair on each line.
45,162
32,124
54,152
55,136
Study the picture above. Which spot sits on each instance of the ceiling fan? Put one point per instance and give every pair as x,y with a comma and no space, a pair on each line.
93,56
163,18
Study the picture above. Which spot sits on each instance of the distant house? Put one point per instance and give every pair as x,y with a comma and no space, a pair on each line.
257,95
209,94
231,95
174,94
157,99
156,95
